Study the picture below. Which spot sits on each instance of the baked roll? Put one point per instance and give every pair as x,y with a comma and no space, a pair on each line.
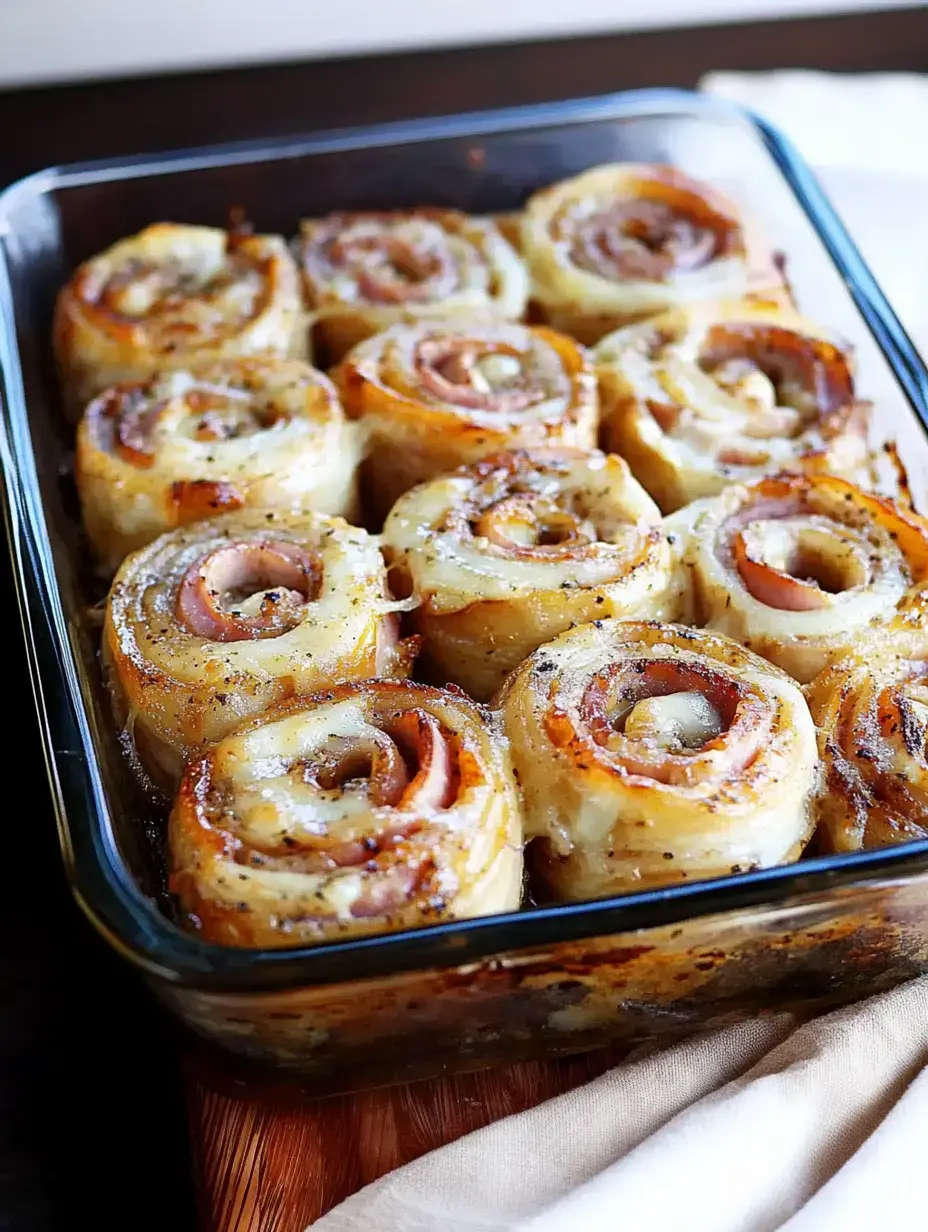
212,624
376,806
627,241
806,569
185,445
363,272
651,753
507,553
722,393
872,717
173,295
433,397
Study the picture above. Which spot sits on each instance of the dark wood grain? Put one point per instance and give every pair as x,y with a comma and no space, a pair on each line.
91,1122
272,1159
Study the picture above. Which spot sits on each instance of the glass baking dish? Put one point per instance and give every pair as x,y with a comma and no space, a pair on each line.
477,992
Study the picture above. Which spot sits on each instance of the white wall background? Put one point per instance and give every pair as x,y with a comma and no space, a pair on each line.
56,40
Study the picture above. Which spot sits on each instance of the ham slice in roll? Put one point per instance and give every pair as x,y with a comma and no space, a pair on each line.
212,624
171,296
651,753
372,807
872,716
507,553
703,397
807,569
186,445
623,242
435,396
363,272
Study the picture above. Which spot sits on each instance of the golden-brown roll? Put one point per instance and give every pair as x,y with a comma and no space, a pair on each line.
213,623
379,805
872,716
627,241
722,393
509,552
363,272
806,569
650,753
185,445
173,295
871,712
433,397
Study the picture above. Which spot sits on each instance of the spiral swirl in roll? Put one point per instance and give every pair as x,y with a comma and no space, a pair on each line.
872,716
807,569
366,271
186,445
377,806
213,623
171,296
651,753
509,552
702,397
433,397
627,241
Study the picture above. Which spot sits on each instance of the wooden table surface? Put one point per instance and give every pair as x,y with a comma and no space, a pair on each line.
96,1088
270,1158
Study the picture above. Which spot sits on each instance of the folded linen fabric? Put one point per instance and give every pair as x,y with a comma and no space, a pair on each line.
764,1125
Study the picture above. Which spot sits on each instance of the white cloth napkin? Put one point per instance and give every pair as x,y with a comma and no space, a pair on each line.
758,1127
875,121
763,1126
867,137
